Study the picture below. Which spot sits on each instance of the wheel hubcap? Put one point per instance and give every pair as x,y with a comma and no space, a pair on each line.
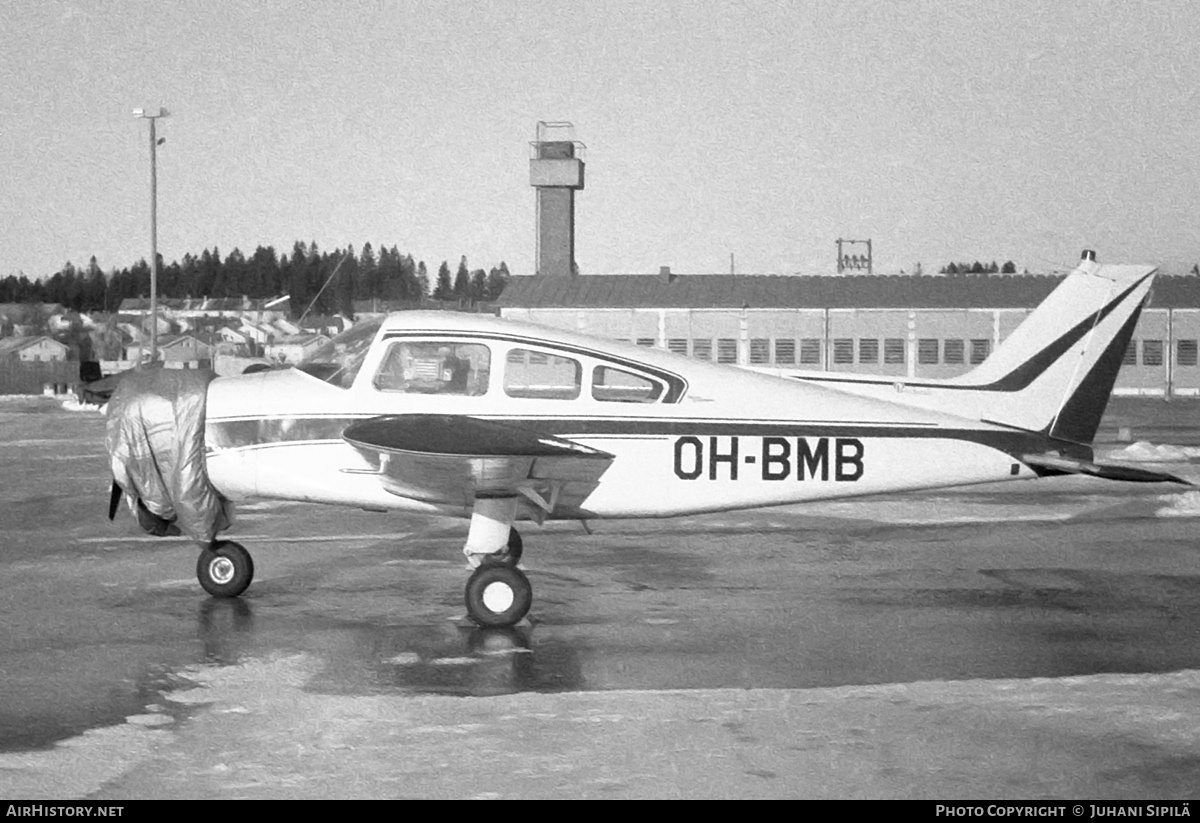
221,570
498,597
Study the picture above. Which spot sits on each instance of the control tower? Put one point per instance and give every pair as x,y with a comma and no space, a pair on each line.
556,171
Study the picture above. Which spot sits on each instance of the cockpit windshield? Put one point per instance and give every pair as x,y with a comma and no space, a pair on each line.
338,361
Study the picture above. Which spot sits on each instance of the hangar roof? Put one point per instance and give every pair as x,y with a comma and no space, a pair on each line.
782,292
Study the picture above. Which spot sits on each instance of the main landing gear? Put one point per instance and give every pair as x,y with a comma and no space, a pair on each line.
498,594
225,569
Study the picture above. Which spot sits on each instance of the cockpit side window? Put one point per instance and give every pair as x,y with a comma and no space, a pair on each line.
541,375
435,367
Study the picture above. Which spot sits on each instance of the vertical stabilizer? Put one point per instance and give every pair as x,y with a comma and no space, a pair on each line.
1055,372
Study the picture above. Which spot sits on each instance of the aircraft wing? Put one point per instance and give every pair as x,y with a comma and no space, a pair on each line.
454,459
1057,464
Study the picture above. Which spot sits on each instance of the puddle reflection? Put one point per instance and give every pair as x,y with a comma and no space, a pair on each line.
451,658
226,627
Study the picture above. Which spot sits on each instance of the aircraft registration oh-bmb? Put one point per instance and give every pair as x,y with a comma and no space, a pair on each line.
498,422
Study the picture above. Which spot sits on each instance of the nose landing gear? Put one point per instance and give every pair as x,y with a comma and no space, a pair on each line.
225,569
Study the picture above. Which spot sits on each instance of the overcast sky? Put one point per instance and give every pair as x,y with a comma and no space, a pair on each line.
942,130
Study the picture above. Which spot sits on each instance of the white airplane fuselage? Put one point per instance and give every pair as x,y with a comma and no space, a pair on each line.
720,438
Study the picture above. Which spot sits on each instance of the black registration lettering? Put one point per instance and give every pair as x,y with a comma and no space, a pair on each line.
849,459
689,458
810,459
776,462
715,457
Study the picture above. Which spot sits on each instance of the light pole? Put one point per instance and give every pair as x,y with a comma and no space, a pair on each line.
144,115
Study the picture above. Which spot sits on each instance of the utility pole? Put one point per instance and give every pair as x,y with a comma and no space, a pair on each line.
153,118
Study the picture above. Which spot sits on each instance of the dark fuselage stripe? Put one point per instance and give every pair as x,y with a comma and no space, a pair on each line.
268,431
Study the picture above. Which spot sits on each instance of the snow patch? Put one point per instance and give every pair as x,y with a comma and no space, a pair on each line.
72,405
1181,505
1145,452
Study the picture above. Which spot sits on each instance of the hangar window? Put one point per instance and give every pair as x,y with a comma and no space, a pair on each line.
727,351
952,351
542,376
785,352
618,386
1185,352
702,348
760,352
893,350
1129,358
843,350
927,351
980,349
1152,352
678,345
810,351
868,350
434,367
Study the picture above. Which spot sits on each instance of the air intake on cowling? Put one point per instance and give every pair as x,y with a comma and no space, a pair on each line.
1088,254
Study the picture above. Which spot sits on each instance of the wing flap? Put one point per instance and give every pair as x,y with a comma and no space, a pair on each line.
452,459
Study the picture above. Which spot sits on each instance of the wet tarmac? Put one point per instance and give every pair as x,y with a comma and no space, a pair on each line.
1052,579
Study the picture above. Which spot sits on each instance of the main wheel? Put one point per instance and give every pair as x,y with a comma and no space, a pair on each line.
498,596
225,570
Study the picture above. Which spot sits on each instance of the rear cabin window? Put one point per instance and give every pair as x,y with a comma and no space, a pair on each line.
618,386
434,367
543,376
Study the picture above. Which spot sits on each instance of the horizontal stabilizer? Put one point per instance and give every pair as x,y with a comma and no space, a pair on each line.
1056,464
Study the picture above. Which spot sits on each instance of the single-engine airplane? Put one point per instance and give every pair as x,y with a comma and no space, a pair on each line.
477,417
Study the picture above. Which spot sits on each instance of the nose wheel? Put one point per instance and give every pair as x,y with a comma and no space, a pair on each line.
225,569
498,595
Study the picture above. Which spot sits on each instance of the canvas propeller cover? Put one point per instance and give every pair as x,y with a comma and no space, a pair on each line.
155,442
